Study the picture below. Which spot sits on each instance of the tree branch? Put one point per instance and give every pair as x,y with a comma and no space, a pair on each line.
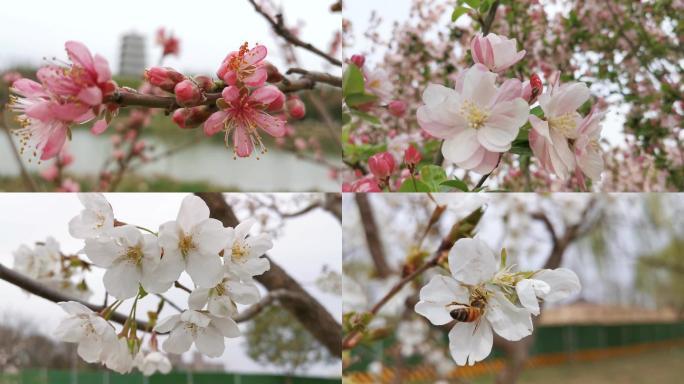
280,29
370,230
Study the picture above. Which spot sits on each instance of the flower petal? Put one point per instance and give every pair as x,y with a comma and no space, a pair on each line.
470,342
210,342
472,262
510,322
563,282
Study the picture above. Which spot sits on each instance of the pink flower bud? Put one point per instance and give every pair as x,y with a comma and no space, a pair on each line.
295,108
163,77
358,60
205,83
188,93
273,74
50,173
191,117
118,154
412,156
66,158
139,147
381,165
69,185
397,107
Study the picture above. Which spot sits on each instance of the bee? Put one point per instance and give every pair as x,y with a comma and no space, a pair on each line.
468,313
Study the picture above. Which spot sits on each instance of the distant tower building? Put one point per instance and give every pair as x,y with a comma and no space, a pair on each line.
132,61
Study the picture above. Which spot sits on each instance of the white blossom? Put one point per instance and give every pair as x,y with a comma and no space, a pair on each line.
242,255
152,362
90,331
205,330
131,259
221,300
95,220
192,242
119,357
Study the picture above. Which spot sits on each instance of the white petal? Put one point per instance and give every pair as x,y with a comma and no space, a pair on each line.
227,326
461,147
102,251
178,341
259,244
210,342
167,324
122,279
510,322
193,210
70,330
242,229
563,283
74,308
198,298
243,293
256,267
204,269
211,237
472,262
221,306
436,296
470,342
527,294
479,87
89,349
198,318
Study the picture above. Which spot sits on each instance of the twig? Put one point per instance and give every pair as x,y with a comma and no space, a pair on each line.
282,31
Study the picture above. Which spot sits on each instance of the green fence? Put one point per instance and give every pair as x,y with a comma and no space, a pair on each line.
549,340
104,377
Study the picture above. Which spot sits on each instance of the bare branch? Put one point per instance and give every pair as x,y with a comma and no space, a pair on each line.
373,240
282,31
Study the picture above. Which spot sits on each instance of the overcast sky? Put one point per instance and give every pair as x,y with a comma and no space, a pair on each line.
208,30
306,244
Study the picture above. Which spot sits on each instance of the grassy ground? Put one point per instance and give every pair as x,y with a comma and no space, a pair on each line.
661,367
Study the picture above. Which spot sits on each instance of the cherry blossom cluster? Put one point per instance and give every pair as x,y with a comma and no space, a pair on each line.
46,263
222,263
505,299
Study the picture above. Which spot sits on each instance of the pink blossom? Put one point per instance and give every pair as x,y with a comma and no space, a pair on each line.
588,154
377,83
412,156
397,107
64,96
169,43
358,60
245,67
477,119
496,52
188,93
366,184
50,173
295,108
11,77
551,148
163,77
381,165
69,185
243,111
560,104
191,117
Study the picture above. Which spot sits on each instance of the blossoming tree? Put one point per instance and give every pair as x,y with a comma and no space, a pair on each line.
514,95
225,260
247,98
476,296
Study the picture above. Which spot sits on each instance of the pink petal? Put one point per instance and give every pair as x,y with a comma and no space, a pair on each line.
99,127
104,74
242,143
55,142
215,123
274,126
509,90
28,88
230,94
80,55
256,54
257,79
488,163
41,111
265,95
476,48
91,96
69,112
230,77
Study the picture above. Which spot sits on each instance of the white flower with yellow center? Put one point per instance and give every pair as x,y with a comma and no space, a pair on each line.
242,256
131,259
90,331
193,243
221,300
204,329
95,220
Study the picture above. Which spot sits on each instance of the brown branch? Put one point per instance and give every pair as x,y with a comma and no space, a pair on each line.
372,234
280,29
319,77
308,311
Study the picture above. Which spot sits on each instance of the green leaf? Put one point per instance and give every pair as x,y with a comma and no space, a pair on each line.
433,176
357,99
409,186
455,183
366,117
484,7
352,81
537,111
474,4
458,12
521,147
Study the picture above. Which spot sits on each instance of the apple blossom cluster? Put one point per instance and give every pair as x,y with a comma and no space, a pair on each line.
64,95
503,299
222,263
46,263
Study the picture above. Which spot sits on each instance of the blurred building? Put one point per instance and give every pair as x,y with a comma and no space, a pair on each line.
132,61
